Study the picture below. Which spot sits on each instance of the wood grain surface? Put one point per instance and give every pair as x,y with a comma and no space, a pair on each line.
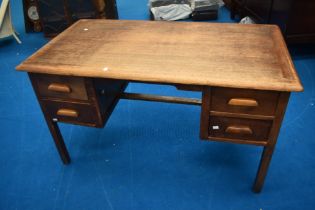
211,54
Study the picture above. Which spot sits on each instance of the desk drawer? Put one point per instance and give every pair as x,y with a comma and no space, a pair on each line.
244,101
83,114
242,129
65,87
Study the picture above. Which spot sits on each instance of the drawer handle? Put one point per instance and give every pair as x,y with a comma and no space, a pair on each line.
243,102
59,88
68,113
239,130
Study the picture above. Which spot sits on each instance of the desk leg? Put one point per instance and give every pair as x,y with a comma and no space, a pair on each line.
53,126
263,168
59,142
268,150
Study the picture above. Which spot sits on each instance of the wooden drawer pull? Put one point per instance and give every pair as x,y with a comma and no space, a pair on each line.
238,130
59,88
67,113
242,102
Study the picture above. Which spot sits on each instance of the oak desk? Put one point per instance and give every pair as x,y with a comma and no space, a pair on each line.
244,72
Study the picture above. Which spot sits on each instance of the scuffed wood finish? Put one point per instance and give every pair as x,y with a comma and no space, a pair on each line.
245,74
225,55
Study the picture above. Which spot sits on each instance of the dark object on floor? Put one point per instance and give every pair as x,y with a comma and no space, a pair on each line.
205,14
205,11
175,11
57,15
160,3
296,18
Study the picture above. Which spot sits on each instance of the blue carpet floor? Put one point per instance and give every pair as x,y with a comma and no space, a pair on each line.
149,155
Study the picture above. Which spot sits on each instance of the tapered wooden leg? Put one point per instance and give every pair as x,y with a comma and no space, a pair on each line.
60,144
268,150
263,168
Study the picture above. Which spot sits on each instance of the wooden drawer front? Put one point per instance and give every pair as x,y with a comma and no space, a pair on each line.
243,129
64,87
73,113
244,101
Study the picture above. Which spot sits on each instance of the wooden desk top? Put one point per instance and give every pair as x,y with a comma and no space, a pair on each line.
191,53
